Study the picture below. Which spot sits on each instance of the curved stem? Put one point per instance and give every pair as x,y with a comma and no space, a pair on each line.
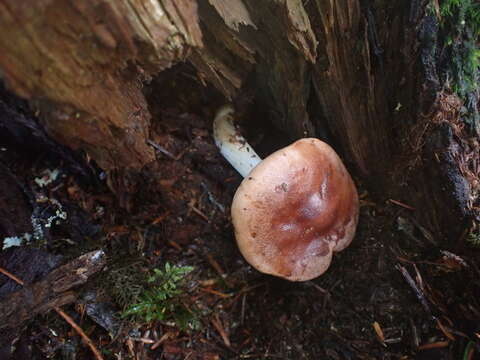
232,144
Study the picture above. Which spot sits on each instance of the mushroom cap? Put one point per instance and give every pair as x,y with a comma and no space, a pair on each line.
295,208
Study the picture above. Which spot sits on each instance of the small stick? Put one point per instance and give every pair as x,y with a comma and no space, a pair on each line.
444,330
160,218
144,340
11,276
250,288
212,198
215,265
319,288
164,151
174,245
200,213
77,328
214,292
161,149
416,289
379,332
396,202
242,315
159,342
67,318
434,345
416,339
218,326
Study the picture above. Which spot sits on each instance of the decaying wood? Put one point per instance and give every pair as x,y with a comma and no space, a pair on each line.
345,84
53,291
274,41
88,58
361,74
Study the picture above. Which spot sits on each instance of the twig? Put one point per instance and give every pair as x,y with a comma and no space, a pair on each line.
217,324
199,213
434,345
416,289
250,288
399,203
164,151
212,198
143,340
214,292
242,314
416,339
215,265
174,245
160,218
379,332
11,276
161,149
319,288
444,330
84,336
162,339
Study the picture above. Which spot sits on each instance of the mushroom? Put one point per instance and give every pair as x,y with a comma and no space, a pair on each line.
294,209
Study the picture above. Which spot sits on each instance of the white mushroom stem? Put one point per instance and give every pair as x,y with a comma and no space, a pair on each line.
232,144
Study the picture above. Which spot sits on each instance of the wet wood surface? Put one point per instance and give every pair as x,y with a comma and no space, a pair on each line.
361,77
56,289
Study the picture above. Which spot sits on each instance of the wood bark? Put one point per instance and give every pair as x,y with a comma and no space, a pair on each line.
52,291
88,58
362,73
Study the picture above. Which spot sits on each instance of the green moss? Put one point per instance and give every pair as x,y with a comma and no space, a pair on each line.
474,239
462,14
125,283
460,55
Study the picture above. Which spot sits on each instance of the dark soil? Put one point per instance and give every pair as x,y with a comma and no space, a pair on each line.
395,293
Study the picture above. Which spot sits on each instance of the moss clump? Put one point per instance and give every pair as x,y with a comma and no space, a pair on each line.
126,284
474,238
460,57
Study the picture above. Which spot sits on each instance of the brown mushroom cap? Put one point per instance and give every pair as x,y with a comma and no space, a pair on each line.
294,210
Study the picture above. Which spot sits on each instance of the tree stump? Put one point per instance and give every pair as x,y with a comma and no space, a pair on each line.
370,75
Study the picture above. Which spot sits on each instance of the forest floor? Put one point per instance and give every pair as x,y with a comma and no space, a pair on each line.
395,293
